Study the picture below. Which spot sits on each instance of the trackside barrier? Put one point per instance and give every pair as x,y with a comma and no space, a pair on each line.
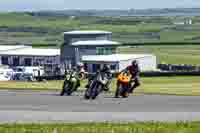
143,74
178,67
163,74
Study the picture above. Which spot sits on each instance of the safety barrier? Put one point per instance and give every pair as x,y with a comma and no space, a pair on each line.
143,74
178,67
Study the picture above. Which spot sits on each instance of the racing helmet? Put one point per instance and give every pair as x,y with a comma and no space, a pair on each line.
134,63
80,64
74,68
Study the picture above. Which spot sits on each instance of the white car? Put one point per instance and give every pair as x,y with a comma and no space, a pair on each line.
27,73
6,74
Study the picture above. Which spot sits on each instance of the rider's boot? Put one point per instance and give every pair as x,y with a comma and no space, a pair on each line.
133,87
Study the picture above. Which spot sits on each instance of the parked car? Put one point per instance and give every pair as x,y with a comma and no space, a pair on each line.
6,74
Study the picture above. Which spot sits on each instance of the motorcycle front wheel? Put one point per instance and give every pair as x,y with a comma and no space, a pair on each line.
96,90
88,90
66,90
87,93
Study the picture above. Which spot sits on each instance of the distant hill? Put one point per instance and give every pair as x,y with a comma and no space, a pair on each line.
130,12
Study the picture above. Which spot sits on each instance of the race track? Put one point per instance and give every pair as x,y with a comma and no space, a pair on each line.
26,106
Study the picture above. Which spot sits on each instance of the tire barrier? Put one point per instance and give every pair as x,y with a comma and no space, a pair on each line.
178,68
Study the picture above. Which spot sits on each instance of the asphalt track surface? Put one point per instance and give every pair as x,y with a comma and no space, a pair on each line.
27,106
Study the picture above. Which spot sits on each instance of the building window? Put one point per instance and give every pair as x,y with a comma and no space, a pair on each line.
99,51
28,62
109,51
36,63
49,61
15,61
39,62
105,50
113,67
4,60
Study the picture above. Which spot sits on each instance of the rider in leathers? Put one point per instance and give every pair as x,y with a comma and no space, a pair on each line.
134,70
79,69
106,75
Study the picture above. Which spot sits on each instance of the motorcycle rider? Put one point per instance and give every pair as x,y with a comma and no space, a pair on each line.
79,69
134,70
106,75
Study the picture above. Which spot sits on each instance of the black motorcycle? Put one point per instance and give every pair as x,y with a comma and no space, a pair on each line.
71,83
96,85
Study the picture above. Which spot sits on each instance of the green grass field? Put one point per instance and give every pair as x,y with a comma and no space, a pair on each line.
27,28
140,127
186,85
24,28
175,54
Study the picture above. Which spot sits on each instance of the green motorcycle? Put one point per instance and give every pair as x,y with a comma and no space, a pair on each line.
71,83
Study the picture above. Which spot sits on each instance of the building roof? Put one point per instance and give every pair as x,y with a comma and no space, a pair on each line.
113,57
11,47
32,52
95,42
77,32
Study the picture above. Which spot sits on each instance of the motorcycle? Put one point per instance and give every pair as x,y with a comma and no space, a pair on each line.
71,83
123,80
96,86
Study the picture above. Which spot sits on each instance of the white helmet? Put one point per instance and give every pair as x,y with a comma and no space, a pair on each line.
80,64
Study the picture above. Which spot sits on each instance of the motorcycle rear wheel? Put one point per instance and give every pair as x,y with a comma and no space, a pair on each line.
125,94
123,91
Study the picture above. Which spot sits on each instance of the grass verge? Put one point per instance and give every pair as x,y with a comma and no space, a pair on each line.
140,127
182,85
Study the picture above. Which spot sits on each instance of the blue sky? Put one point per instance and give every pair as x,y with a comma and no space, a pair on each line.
21,5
